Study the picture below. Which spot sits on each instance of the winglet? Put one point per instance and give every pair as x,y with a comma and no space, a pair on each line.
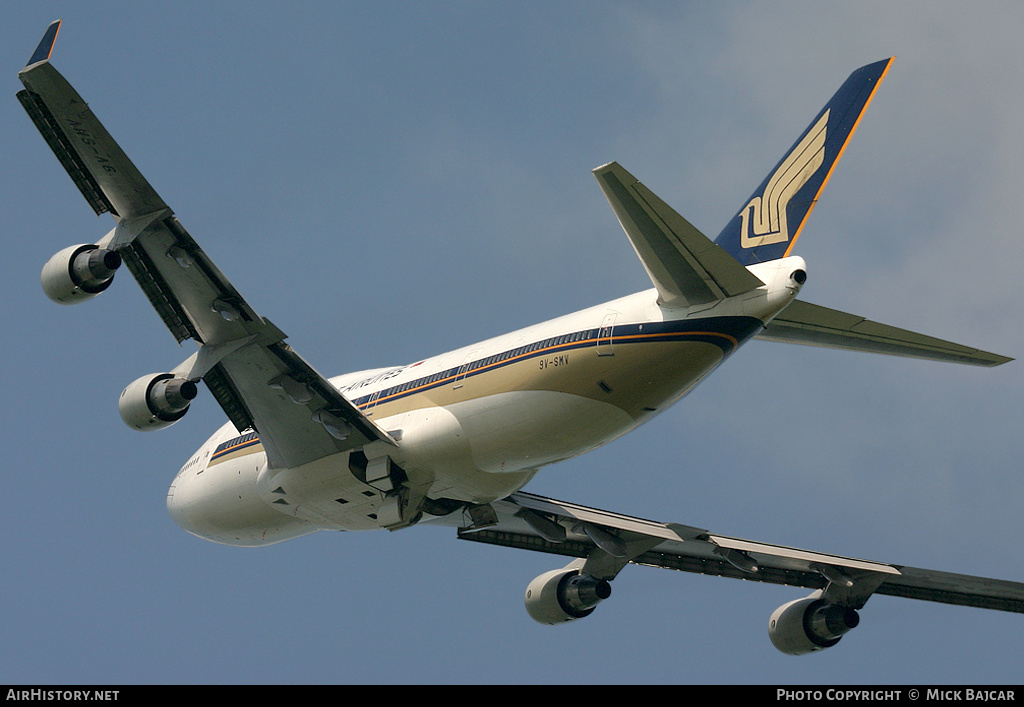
42,52
95,162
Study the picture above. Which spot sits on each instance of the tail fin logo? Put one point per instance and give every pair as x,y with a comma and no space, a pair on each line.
764,217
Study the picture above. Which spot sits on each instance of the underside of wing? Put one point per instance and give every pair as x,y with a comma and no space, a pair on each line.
99,168
259,381
604,542
257,378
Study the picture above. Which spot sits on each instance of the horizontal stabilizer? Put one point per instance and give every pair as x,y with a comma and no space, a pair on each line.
684,265
805,323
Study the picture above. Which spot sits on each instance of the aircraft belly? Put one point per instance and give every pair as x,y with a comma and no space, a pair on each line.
561,408
477,439
221,503
518,430
645,379
324,493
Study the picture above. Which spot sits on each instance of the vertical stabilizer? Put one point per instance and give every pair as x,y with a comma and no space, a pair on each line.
768,225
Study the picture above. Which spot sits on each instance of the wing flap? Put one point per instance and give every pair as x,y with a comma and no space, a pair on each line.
243,357
813,325
258,380
297,421
95,162
189,292
803,559
691,549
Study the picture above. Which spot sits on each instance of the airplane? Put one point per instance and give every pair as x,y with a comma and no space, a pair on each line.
452,440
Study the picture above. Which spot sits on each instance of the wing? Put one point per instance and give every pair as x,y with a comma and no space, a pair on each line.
805,323
609,541
259,381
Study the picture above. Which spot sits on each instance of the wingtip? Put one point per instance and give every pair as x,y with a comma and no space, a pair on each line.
998,360
42,52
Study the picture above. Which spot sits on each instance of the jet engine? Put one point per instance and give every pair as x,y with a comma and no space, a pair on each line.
810,624
564,595
156,401
78,273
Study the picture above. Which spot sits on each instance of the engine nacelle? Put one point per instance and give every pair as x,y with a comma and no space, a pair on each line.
156,401
564,595
79,273
810,624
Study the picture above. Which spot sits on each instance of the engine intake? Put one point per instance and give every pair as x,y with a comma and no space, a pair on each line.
156,401
564,595
78,273
810,624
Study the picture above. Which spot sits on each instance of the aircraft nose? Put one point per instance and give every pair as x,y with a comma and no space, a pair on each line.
190,509
177,505
226,508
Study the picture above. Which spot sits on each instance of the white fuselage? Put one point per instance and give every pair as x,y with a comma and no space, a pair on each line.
475,424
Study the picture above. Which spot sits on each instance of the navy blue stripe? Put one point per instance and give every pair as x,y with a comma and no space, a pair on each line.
725,332
233,445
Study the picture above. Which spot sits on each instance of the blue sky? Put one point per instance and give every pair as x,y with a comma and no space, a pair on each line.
386,181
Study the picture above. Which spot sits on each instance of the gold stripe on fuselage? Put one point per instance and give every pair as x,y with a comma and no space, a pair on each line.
636,371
